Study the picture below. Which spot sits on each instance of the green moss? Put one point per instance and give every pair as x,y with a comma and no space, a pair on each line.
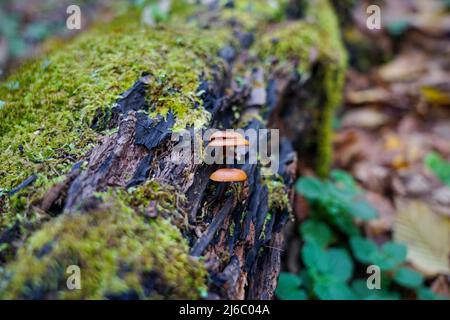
119,254
333,84
252,15
140,197
278,195
50,103
266,221
163,198
297,41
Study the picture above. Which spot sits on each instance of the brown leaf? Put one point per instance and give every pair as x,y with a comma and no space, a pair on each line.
441,286
367,118
386,214
426,234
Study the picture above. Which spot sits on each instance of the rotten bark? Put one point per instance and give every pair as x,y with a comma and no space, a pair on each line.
244,262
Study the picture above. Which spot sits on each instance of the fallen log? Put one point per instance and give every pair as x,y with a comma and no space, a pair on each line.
110,198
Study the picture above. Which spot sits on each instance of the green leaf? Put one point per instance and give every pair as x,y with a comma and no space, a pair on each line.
361,209
364,250
287,279
311,188
314,256
340,264
339,194
345,223
408,278
440,168
313,230
423,293
350,200
327,266
343,178
398,28
392,254
306,279
333,291
289,287
360,289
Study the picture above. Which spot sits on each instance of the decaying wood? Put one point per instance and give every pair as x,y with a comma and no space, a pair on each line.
141,148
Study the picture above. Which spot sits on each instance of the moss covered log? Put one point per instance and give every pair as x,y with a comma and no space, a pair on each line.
86,176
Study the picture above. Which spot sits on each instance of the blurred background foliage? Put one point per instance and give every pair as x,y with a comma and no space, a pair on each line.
26,24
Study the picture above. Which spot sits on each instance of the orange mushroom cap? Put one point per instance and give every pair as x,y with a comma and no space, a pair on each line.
228,175
229,142
226,135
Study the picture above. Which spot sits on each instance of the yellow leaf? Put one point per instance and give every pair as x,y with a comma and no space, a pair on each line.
426,234
399,162
392,142
436,96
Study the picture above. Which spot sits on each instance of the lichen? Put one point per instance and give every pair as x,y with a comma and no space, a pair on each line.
120,255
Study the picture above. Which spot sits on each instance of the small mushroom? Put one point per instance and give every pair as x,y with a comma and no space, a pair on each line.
229,142
228,175
225,135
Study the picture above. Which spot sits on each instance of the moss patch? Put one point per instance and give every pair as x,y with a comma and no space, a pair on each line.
119,253
278,195
252,14
299,41
48,106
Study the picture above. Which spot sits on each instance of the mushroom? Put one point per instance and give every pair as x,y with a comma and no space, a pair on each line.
225,135
228,175
227,139
229,142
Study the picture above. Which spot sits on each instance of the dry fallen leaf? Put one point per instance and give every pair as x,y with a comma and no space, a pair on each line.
441,286
426,234
367,118
373,95
407,66
386,213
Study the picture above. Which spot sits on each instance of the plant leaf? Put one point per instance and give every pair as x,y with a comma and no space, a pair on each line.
360,208
310,187
313,230
333,291
441,168
408,278
340,264
289,287
391,256
314,256
343,178
360,289
427,236
423,293
364,250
